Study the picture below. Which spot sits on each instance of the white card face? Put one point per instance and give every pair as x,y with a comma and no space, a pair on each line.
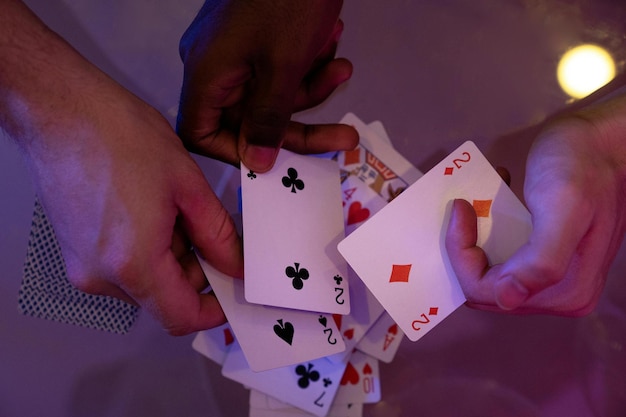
214,343
360,382
364,313
292,222
400,252
273,337
310,386
382,340
377,128
360,202
263,405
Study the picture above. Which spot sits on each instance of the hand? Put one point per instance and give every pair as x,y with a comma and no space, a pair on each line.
248,66
127,202
575,189
125,198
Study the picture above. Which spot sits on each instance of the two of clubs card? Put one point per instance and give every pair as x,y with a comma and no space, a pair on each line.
304,333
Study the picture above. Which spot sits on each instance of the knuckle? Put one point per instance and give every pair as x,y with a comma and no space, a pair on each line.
548,271
84,282
265,126
222,228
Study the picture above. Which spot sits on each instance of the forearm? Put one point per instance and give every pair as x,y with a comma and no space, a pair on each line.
45,85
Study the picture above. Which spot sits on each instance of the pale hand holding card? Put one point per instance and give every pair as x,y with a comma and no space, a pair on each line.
310,386
400,252
273,337
292,222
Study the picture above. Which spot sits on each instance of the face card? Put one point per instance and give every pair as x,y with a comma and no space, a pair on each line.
292,222
273,337
400,252
382,340
360,382
376,163
214,343
310,386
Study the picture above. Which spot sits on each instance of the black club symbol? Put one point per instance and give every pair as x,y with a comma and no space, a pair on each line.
251,175
338,279
327,382
297,274
292,180
307,375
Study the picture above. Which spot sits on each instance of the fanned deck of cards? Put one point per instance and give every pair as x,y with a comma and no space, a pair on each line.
306,329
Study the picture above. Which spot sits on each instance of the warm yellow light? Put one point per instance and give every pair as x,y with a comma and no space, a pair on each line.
584,69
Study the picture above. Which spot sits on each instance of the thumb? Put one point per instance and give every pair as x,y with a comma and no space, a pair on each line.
266,117
545,259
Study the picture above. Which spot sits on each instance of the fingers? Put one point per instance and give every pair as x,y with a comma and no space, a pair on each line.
200,117
319,85
176,304
540,264
209,227
544,261
267,115
469,262
313,139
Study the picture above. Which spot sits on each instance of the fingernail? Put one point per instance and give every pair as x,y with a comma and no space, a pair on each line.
259,158
510,293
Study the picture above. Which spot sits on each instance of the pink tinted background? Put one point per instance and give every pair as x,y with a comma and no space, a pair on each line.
436,74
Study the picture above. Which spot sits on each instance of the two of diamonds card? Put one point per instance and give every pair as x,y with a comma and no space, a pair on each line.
400,252
292,222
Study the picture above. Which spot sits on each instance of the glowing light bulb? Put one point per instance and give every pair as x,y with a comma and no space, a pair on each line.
584,69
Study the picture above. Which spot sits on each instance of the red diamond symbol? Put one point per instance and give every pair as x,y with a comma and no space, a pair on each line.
433,311
448,171
400,273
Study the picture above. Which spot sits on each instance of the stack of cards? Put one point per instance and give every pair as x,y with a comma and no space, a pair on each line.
306,329
304,333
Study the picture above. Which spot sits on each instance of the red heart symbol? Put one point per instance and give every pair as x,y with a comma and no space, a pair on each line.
337,320
350,376
393,329
367,369
228,337
357,213
349,333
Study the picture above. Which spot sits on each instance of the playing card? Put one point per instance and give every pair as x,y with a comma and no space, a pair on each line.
360,202
263,405
273,337
364,312
376,162
378,129
382,340
214,343
310,386
360,382
400,252
292,222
